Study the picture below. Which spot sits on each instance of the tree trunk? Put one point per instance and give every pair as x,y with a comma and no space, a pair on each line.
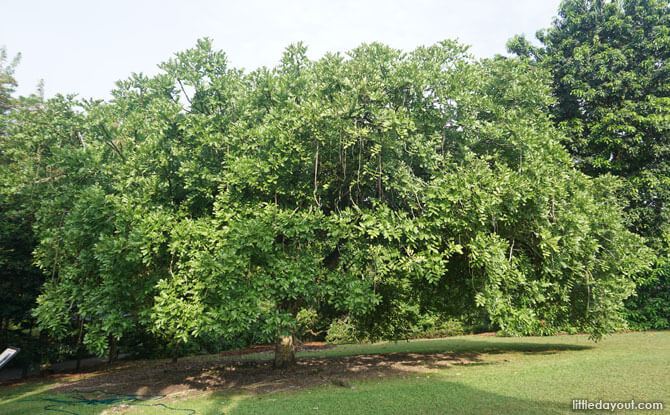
284,352
175,352
5,331
113,350
79,340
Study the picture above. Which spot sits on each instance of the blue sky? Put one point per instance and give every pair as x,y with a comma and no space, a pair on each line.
84,47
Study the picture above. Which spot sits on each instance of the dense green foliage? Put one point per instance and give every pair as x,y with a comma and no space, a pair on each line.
608,61
650,307
389,189
20,280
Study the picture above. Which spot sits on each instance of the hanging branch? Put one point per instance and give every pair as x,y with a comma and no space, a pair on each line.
344,171
588,294
553,209
358,173
444,139
379,178
110,142
184,91
81,139
316,172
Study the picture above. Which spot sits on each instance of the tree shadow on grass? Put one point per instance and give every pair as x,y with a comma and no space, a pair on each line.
499,345
258,377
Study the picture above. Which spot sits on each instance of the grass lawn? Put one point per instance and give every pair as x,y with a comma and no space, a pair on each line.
525,375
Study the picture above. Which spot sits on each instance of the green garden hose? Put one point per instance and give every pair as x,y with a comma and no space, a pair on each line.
78,398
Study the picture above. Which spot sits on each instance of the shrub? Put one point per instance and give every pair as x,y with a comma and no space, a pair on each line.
341,332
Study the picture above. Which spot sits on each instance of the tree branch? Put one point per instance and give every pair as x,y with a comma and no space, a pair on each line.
110,142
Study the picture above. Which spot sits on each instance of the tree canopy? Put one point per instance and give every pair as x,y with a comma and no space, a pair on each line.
380,185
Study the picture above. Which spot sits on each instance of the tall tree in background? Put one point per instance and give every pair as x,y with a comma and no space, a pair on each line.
609,63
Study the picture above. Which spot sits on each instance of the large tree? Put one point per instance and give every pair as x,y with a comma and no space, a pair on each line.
378,184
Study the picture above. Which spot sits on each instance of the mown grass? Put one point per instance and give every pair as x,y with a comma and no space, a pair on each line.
526,375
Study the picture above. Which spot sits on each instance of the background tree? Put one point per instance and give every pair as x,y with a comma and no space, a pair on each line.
608,60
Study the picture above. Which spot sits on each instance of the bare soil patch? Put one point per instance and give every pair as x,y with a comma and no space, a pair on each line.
258,376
